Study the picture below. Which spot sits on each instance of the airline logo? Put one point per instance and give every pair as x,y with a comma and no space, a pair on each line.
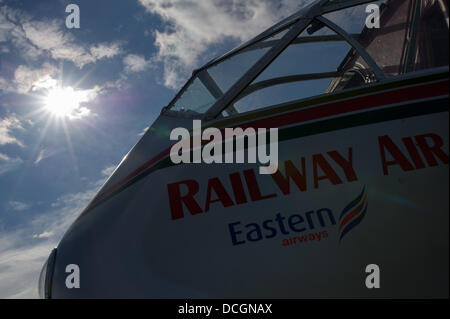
315,171
353,214
301,228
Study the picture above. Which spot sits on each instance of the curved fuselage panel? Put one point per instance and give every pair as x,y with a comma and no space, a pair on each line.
362,179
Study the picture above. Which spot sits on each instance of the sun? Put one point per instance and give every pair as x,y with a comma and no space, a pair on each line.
64,101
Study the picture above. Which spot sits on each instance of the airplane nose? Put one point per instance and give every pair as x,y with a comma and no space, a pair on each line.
46,276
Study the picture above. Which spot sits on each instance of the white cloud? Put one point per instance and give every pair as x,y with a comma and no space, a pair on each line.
27,79
46,38
195,26
23,252
135,63
11,21
5,84
45,78
121,83
18,206
8,164
45,234
105,50
5,26
20,266
8,124
34,38
42,154
107,171
50,36
144,131
46,153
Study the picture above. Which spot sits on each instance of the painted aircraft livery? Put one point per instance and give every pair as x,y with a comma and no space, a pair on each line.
362,179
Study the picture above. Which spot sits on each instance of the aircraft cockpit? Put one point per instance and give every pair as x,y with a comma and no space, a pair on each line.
327,47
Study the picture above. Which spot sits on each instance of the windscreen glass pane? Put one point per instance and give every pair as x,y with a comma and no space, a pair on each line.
304,56
312,64
411,35
353,19
227,72
282,93
210,84
195,98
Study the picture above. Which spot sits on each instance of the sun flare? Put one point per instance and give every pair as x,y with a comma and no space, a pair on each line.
65,101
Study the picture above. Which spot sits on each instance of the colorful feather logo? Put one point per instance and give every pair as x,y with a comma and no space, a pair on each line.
353,214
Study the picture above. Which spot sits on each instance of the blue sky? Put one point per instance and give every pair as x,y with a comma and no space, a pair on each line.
124,63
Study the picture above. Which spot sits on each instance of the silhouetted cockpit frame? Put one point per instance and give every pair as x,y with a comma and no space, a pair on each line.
412,36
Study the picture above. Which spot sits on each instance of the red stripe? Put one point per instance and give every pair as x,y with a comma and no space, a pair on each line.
356,104
133,174
317,112
355,212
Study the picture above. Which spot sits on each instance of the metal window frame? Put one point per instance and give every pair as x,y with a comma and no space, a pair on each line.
230,54
298,23
302,40
355,44
278,27
344,5
256,69
311,11
283,80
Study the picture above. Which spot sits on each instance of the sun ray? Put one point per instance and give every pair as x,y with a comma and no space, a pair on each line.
32,157
69,146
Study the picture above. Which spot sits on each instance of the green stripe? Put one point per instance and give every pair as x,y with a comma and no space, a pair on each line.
372,117
325,99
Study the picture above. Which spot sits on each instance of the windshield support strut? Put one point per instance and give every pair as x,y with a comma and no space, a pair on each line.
285,79
256,69
358,47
